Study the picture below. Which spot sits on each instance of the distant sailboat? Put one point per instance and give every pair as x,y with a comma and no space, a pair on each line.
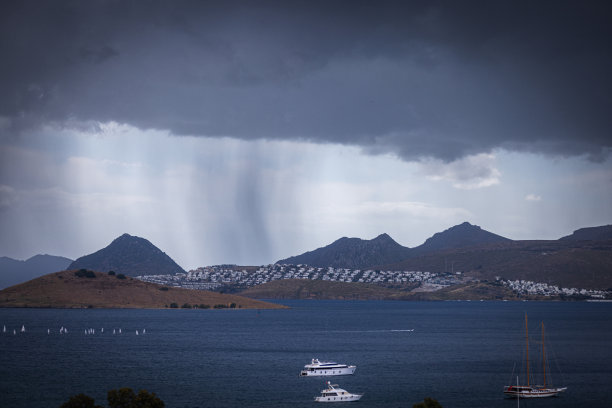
113,331
4,329
529,390
22,329
144,331
119,331
137,332
102,330
49,331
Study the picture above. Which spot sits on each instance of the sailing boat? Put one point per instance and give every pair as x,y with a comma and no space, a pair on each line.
529,390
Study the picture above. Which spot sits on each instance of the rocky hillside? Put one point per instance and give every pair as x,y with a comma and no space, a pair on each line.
308,289
131,256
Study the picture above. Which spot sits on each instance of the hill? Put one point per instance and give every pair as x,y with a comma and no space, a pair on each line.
580,260
356,253
13,271
460,236
67,290
352,253
578,264
131,256
601,233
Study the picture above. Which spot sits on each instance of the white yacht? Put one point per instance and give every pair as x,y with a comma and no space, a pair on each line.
334,394
321,368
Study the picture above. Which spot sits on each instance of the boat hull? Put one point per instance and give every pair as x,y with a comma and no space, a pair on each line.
340,398
532,392
324,372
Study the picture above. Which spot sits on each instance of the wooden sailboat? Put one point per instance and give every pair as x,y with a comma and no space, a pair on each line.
529,390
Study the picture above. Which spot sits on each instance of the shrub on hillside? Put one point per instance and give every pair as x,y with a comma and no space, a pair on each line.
84,273
121,276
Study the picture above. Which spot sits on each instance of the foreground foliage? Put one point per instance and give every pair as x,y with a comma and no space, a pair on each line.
121,398
428,403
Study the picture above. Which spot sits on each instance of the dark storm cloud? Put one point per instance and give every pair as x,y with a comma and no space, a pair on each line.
422,78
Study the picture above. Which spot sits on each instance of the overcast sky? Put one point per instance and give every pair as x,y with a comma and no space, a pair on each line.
249,131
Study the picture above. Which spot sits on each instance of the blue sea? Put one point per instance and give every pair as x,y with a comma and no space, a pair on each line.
460,353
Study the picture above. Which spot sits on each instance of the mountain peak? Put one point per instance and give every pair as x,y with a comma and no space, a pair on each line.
352,253
459,236
383,237
131,256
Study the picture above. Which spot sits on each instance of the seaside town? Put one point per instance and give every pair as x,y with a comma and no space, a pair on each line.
231,277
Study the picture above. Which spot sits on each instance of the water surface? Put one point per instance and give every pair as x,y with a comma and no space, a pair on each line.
461,353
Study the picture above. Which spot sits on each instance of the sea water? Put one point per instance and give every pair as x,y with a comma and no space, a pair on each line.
460,353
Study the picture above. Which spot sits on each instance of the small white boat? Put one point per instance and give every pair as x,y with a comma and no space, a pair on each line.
322,368
334,394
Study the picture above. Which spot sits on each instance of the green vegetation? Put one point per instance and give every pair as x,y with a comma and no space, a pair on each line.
220,306
173,305
80,401
164,288
428,403
121,398
202,306
84,273
186,306
111,273
121,276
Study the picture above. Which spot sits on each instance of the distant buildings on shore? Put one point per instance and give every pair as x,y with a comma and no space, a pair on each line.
230,277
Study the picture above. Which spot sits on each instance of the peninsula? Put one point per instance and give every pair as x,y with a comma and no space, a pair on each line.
88,289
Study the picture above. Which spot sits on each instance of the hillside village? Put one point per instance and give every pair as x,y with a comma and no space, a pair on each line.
231,278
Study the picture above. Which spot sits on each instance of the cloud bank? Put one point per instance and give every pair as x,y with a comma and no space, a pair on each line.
423,79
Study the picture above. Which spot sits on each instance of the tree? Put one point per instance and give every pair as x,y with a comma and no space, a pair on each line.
80,401
125,398
428,403
121,398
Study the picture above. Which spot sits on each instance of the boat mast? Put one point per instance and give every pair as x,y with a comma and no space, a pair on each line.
527,343
543,356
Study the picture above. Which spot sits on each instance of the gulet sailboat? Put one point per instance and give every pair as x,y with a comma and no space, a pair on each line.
532,390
